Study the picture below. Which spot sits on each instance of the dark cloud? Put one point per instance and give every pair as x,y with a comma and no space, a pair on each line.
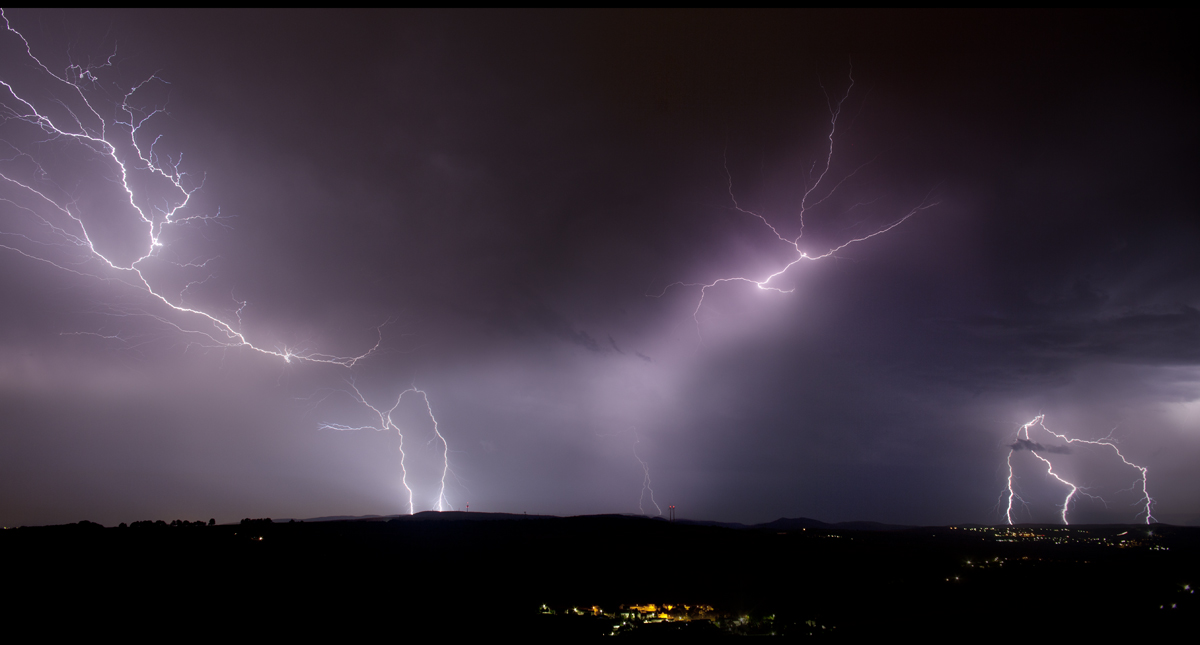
1149,337
613,342
504,186
1025,444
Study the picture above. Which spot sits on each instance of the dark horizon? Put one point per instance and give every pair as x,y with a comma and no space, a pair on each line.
790,523
499,221
600,575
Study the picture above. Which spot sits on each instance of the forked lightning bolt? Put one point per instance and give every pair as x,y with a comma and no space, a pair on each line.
1025,442
120,144
815,194
386,423
156,196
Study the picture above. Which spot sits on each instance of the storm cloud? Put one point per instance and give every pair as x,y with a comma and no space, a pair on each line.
492,195
1025,444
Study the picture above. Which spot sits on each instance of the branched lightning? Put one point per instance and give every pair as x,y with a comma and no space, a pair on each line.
1025,442
386,423
156,195
815,194
120,143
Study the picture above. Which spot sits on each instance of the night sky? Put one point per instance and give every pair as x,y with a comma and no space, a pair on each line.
502,195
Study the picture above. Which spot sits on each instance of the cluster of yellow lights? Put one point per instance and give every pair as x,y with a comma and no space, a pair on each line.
654,608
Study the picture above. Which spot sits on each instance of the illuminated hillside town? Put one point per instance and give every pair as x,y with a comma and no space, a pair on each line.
652,619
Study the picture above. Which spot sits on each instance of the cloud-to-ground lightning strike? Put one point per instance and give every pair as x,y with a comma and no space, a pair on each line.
386,423
58,228
1025,442
645,482
815,194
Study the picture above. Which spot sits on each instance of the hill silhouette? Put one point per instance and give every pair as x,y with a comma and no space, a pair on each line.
485,574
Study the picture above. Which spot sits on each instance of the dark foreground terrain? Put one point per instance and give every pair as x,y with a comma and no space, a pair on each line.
493,574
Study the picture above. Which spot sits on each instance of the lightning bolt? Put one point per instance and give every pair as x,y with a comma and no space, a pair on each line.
386,423
818,189
645,482
134,166
155,198
1025,442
